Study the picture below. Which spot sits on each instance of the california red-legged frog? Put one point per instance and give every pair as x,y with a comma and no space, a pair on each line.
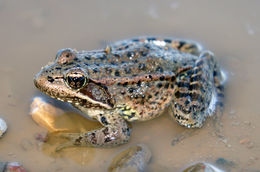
134,80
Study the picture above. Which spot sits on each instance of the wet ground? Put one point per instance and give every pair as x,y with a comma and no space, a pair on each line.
31,32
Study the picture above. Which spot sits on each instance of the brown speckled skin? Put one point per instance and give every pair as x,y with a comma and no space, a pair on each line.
133,80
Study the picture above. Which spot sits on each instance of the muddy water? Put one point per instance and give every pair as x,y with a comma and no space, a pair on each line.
31,32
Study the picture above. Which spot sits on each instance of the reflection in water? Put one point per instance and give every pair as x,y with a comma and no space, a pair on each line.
56,121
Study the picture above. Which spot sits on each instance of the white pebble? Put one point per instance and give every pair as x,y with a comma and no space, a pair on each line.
3,127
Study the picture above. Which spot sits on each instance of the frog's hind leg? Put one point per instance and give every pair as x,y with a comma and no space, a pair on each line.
195,95
185,46
115,131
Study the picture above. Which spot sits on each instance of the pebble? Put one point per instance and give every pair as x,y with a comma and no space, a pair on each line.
132,159
226,164
3,127
202,167
44,114
249,144
11,167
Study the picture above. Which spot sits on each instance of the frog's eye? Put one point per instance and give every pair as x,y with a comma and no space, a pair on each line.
76,79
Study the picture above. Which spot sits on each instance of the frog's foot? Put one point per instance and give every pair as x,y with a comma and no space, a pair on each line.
196,94
115,132
219,80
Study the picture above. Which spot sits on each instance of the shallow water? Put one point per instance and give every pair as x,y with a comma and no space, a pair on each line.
31,32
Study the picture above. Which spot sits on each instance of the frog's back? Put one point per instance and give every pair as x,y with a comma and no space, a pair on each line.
134,58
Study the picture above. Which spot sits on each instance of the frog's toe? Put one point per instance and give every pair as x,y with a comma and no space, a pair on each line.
64,145
69,136
74,139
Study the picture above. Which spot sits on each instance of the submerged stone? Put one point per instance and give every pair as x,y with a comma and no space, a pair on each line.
133,159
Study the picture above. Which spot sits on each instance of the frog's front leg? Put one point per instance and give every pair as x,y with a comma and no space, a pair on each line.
115,132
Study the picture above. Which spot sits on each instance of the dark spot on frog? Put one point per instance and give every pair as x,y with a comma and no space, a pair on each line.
117,55
139,83
162,78
142,66
76,59
131,90
112,63
105,131
87,58
194,86
159,85
201,62
166,85
183,84
95,70
186,102
78,140
181,43
50,79
104,120
102,57
130,54
168,41
108,70
127,70
107,139
127,131
143,53
117,73
147,46
70,63
159,69
195,78
135,61
125,84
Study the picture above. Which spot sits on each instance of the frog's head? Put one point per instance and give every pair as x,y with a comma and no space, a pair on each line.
66,80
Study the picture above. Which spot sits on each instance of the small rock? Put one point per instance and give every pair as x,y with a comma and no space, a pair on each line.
133,159
44,114
11,167
244,141
249,144
226,164
202,167
3,127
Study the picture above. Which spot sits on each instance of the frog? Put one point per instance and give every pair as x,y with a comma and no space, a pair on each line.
134,80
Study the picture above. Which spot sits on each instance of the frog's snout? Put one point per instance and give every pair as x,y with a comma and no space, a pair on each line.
39,80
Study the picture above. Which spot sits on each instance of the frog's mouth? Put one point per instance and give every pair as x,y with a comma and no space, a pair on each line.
55,87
